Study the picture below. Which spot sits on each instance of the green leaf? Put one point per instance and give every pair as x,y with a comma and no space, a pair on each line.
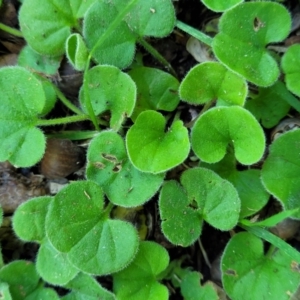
77,224
76,51
247,182
271,104
150,18
110,89
211,80
118,49
22,99
109,166
281,170
85,287
139,279
50,95
46,27
222,126
291,67
53,266
21,277
156,90
32,60
249,274
1,215
191,288
43,293
4,291
153,150
29,219
220,5
244,32
203,196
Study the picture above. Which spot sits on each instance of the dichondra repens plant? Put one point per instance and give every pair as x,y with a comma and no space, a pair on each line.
228,172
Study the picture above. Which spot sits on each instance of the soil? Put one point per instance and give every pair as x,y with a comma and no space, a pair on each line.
20,184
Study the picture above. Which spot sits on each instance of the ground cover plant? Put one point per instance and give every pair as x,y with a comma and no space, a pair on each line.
218,167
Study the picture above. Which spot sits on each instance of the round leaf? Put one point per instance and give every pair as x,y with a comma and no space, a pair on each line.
248,274
118,48
46,27
110,89
29,219
156,90
281,170
220,5
291,68
77,224
109,166
270,105
221,126
153,150
139,279
211,80
244,32
22,99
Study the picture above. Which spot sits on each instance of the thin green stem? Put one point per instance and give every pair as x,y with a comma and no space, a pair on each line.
157,55
63,120
195,33
108,209
67,102
74,135
11,30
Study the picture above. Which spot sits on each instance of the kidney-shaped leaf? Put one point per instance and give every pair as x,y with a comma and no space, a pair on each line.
76,223
291,68
22,100
210,81
156,90
220,5
46,27
245,30
110,89
203,196
233,125
153,150
281,170
139,279
109,166
248,274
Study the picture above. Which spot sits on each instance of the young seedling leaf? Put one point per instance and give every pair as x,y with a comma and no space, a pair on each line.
247,182
281,170
249,274
29,219
118,48
191,288
32,60
22,99
150,18
220,5
42,293
109,166
20,273
203,196
46,27
110,89
77,224
153,150
291,67
222,126
271,104
244,32
156,90
53,266
139,279
212,81
76,51
84,286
